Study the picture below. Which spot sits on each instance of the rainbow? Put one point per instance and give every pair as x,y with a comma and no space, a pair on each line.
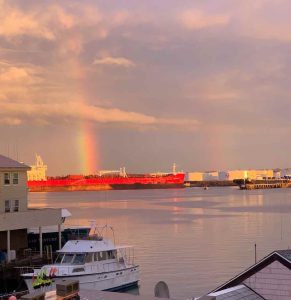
88,145
87,139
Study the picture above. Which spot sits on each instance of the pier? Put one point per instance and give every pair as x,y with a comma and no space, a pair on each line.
263,184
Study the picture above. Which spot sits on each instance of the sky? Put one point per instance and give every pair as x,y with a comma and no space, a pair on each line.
93,85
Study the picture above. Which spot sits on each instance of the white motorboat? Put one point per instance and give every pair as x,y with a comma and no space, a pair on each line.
95,262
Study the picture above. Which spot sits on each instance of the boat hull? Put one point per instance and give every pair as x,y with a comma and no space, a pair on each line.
97,183
108,281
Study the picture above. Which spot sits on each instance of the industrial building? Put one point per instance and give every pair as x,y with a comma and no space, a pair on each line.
244,174
230,175
194,176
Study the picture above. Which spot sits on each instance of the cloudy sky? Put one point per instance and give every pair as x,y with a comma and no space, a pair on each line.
142,84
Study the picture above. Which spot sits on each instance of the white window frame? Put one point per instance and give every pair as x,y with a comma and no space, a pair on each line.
7,208
8,179
15,207
15,178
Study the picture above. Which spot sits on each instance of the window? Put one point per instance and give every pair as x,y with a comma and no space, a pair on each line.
79,259
59,258
101,255
15,178
96,256
7,206
111,254
6,178
16,205
89,257
68,258
78,270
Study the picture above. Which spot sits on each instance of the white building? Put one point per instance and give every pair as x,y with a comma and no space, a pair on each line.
15,216
201,176
285,172
37,171
231,175
210,175
194,176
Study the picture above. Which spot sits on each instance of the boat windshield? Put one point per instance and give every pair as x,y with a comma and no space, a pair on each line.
70,258
59,258
79,259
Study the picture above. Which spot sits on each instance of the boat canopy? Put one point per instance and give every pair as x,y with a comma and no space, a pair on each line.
86,246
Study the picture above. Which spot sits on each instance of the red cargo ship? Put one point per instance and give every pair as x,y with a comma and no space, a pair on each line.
95,182
107,180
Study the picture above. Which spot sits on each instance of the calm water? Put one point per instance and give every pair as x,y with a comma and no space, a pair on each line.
193,239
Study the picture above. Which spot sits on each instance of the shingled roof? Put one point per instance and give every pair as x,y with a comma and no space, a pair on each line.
8,163
240,292
282,256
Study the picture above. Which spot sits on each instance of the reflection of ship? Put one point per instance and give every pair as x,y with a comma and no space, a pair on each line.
266,183
104,180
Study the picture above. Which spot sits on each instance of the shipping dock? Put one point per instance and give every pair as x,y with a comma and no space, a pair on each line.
267,183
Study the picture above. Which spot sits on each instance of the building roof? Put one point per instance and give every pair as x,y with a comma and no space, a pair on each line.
8,163
282,256
240,292
285,253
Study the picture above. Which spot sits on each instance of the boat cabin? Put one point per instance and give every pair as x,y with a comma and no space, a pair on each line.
90,256
82,258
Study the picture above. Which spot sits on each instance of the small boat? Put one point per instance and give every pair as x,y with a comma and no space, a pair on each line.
205,187
95,262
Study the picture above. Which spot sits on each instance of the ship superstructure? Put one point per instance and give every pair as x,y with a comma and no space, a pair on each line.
37,171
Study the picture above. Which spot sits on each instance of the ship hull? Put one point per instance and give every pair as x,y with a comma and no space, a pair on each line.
137,186
106,281
108,183
68,188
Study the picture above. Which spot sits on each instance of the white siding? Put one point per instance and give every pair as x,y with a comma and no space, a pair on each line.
30,218
14,191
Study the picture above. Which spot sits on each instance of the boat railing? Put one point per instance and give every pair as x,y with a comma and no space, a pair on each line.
86,237
126,255
28,269
28,257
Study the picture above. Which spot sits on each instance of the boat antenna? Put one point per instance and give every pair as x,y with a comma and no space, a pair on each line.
255,253
174,168
112,233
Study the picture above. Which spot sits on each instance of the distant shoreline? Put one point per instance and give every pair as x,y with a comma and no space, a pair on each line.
209,183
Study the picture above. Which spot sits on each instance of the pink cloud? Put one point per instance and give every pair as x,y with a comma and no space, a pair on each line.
117,61
14,22
15,75
216,88
197,19
19,112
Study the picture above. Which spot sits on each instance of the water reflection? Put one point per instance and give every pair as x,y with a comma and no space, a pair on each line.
192,239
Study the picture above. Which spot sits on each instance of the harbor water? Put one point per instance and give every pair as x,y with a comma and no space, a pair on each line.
193,239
